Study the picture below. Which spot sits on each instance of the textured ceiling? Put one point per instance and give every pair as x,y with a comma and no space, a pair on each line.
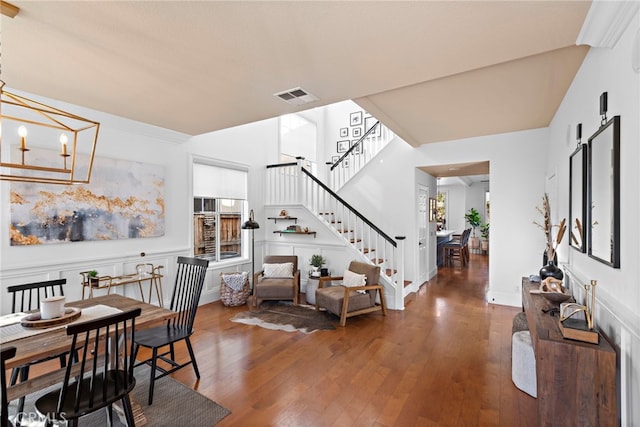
432,71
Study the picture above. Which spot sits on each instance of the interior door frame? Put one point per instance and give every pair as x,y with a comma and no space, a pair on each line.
423,218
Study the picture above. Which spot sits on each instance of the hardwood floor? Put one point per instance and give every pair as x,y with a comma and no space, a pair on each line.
443,361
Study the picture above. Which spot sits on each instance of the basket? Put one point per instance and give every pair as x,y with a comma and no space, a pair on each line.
229,296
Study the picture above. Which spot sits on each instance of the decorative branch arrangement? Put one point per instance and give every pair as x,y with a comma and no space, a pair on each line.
547,228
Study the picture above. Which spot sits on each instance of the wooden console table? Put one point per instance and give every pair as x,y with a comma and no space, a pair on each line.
149,273
576,381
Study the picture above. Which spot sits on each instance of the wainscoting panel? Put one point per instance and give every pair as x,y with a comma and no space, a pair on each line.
622,329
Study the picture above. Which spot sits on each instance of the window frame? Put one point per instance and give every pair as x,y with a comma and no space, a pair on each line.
243,258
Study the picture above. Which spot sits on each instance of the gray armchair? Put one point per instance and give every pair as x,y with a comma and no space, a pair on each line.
346,301
277,288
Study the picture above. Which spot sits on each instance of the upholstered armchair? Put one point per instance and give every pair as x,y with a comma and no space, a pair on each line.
355,295
277,280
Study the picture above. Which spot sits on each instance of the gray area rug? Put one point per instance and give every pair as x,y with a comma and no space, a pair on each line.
174,404
286,317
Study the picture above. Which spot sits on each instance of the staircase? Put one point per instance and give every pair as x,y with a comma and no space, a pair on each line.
293,184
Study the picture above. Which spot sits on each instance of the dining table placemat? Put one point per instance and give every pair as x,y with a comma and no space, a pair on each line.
11,329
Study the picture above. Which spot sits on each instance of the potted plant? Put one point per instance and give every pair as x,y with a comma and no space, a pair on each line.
474,220
484,233
316,262
94,280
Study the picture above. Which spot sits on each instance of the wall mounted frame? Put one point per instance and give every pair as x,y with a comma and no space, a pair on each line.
604,194
578,198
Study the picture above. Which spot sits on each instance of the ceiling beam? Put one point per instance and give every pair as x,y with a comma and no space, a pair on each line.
7,9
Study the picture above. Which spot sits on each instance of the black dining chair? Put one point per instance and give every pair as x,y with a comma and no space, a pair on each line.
5,354
190,276
27,297
102,375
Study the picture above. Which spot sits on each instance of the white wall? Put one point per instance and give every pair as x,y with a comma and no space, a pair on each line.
253,146
387,192
517,183
618,293
456,203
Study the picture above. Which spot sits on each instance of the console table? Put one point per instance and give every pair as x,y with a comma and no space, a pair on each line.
576,381
145,272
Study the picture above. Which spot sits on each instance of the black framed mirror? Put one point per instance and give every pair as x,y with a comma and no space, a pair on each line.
604,194
578,198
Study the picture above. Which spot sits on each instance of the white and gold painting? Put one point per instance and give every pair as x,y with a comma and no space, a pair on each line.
124,200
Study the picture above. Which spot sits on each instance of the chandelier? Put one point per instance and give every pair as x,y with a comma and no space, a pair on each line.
43,144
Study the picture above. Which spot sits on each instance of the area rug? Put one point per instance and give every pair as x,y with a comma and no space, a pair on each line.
174,404
286,317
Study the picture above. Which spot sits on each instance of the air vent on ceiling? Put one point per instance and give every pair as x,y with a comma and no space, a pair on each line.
296,96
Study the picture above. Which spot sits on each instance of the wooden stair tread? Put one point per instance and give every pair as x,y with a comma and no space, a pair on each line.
390,272
355,240
367,250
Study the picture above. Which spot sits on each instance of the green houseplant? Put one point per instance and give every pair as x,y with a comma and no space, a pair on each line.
484,233
93,277
474,220
316,262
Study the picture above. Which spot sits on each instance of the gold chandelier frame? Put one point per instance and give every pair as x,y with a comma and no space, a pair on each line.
30,114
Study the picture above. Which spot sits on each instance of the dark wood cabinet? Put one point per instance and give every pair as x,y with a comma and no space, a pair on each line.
576,381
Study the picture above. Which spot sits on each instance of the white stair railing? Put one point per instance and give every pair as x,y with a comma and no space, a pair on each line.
290,183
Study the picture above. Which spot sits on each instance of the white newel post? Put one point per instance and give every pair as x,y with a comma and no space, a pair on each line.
400,267
299,181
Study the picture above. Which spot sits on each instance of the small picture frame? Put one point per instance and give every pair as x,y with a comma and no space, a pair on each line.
357,132
368,122
358,148
355,119
344,132
345,163
342,146
334,159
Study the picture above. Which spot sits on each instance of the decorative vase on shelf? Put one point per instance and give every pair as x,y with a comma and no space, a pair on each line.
545,258
551,270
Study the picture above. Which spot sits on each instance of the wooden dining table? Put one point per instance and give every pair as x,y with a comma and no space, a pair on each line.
55,341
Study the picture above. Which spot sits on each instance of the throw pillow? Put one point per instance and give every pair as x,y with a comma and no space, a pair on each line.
280,271
351,279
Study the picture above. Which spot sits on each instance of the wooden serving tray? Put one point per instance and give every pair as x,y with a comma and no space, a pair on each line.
33,321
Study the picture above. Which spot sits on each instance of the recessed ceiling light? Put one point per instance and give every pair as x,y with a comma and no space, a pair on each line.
296,96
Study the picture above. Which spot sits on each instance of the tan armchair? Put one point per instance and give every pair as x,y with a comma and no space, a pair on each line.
277,288
346,301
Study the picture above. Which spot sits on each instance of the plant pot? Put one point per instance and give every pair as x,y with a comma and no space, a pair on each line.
484,245
474,242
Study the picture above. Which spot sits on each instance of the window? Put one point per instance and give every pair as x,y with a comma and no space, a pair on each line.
297,138
487,207
219,206
441,210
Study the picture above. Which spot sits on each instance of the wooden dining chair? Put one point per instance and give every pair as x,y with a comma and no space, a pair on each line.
5,354
186,296
27,297
102,375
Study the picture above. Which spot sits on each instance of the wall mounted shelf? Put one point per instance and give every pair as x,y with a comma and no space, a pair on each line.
281,232
284,218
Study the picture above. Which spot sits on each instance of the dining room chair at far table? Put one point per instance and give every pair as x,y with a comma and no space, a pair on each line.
190,276
27,297
102,375
6,353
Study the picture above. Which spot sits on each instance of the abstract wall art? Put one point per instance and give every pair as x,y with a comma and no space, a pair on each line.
124,200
